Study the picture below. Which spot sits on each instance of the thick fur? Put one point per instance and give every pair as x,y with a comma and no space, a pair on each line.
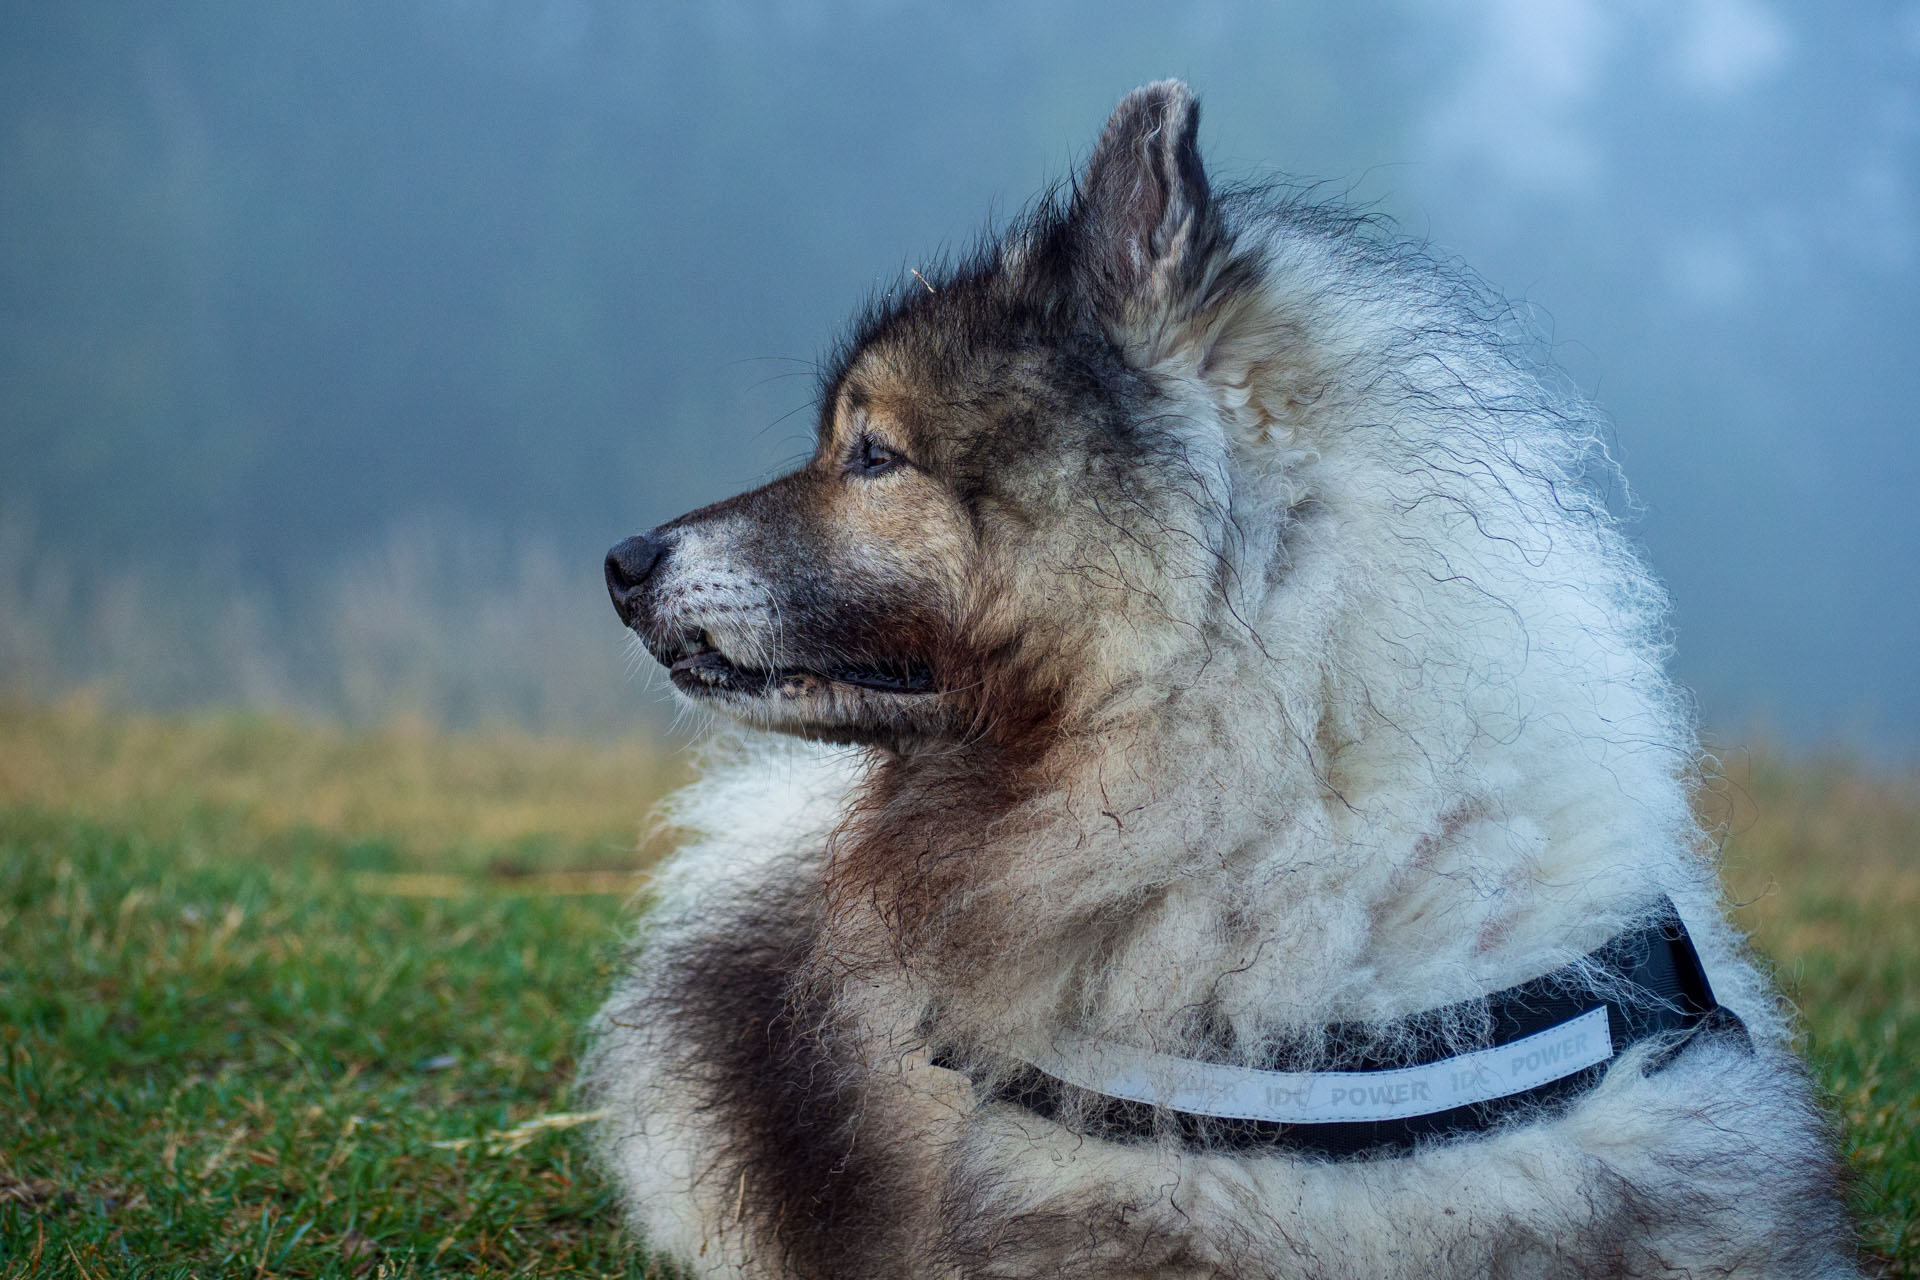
1286,668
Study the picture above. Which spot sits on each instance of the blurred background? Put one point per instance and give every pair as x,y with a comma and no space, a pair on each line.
338,341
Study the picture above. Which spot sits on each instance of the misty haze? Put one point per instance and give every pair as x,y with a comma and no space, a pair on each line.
338,342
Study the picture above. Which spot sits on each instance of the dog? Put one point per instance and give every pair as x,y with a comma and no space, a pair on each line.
1235,818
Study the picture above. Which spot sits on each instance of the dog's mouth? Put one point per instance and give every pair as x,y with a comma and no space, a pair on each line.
698,668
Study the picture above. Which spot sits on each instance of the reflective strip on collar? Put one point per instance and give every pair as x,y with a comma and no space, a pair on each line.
1319,1097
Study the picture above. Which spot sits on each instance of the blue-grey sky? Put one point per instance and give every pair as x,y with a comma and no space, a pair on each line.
274,278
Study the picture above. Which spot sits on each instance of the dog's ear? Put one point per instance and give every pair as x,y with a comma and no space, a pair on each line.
1143,218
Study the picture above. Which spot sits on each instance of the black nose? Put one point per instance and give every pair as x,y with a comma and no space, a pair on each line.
629,565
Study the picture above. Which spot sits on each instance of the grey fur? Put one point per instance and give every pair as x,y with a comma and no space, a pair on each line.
1290,670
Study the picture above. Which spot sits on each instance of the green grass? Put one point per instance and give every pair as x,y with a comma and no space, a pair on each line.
1825,854
228,1062
277,1000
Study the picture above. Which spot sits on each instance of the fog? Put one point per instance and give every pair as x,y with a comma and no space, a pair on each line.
338,341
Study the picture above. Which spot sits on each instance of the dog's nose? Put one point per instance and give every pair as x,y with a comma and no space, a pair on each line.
629,565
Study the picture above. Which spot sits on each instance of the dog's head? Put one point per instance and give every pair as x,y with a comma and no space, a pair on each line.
1011,498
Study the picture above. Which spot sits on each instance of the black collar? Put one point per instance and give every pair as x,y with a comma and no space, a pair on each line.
1648,980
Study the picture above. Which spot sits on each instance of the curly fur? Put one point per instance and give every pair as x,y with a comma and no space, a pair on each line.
1295,672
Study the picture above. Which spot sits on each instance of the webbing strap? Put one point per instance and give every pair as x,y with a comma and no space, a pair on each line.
1472,1065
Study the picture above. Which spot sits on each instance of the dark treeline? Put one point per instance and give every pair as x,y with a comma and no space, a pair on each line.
276,278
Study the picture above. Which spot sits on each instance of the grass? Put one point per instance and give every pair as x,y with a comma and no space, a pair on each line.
434,801
278,1000
1825,857
285,1000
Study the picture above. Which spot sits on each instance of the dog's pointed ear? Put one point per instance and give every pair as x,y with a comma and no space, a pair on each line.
1143,216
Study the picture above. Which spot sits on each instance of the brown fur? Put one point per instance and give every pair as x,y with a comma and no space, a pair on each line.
1232,655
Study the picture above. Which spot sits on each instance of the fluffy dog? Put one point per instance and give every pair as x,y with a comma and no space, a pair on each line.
1233,667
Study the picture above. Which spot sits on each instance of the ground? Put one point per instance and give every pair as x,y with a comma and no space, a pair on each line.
286,1000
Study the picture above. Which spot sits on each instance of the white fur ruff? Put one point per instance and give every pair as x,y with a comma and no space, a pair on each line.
1420,746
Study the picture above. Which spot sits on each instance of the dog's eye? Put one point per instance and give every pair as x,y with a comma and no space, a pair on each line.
872,458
